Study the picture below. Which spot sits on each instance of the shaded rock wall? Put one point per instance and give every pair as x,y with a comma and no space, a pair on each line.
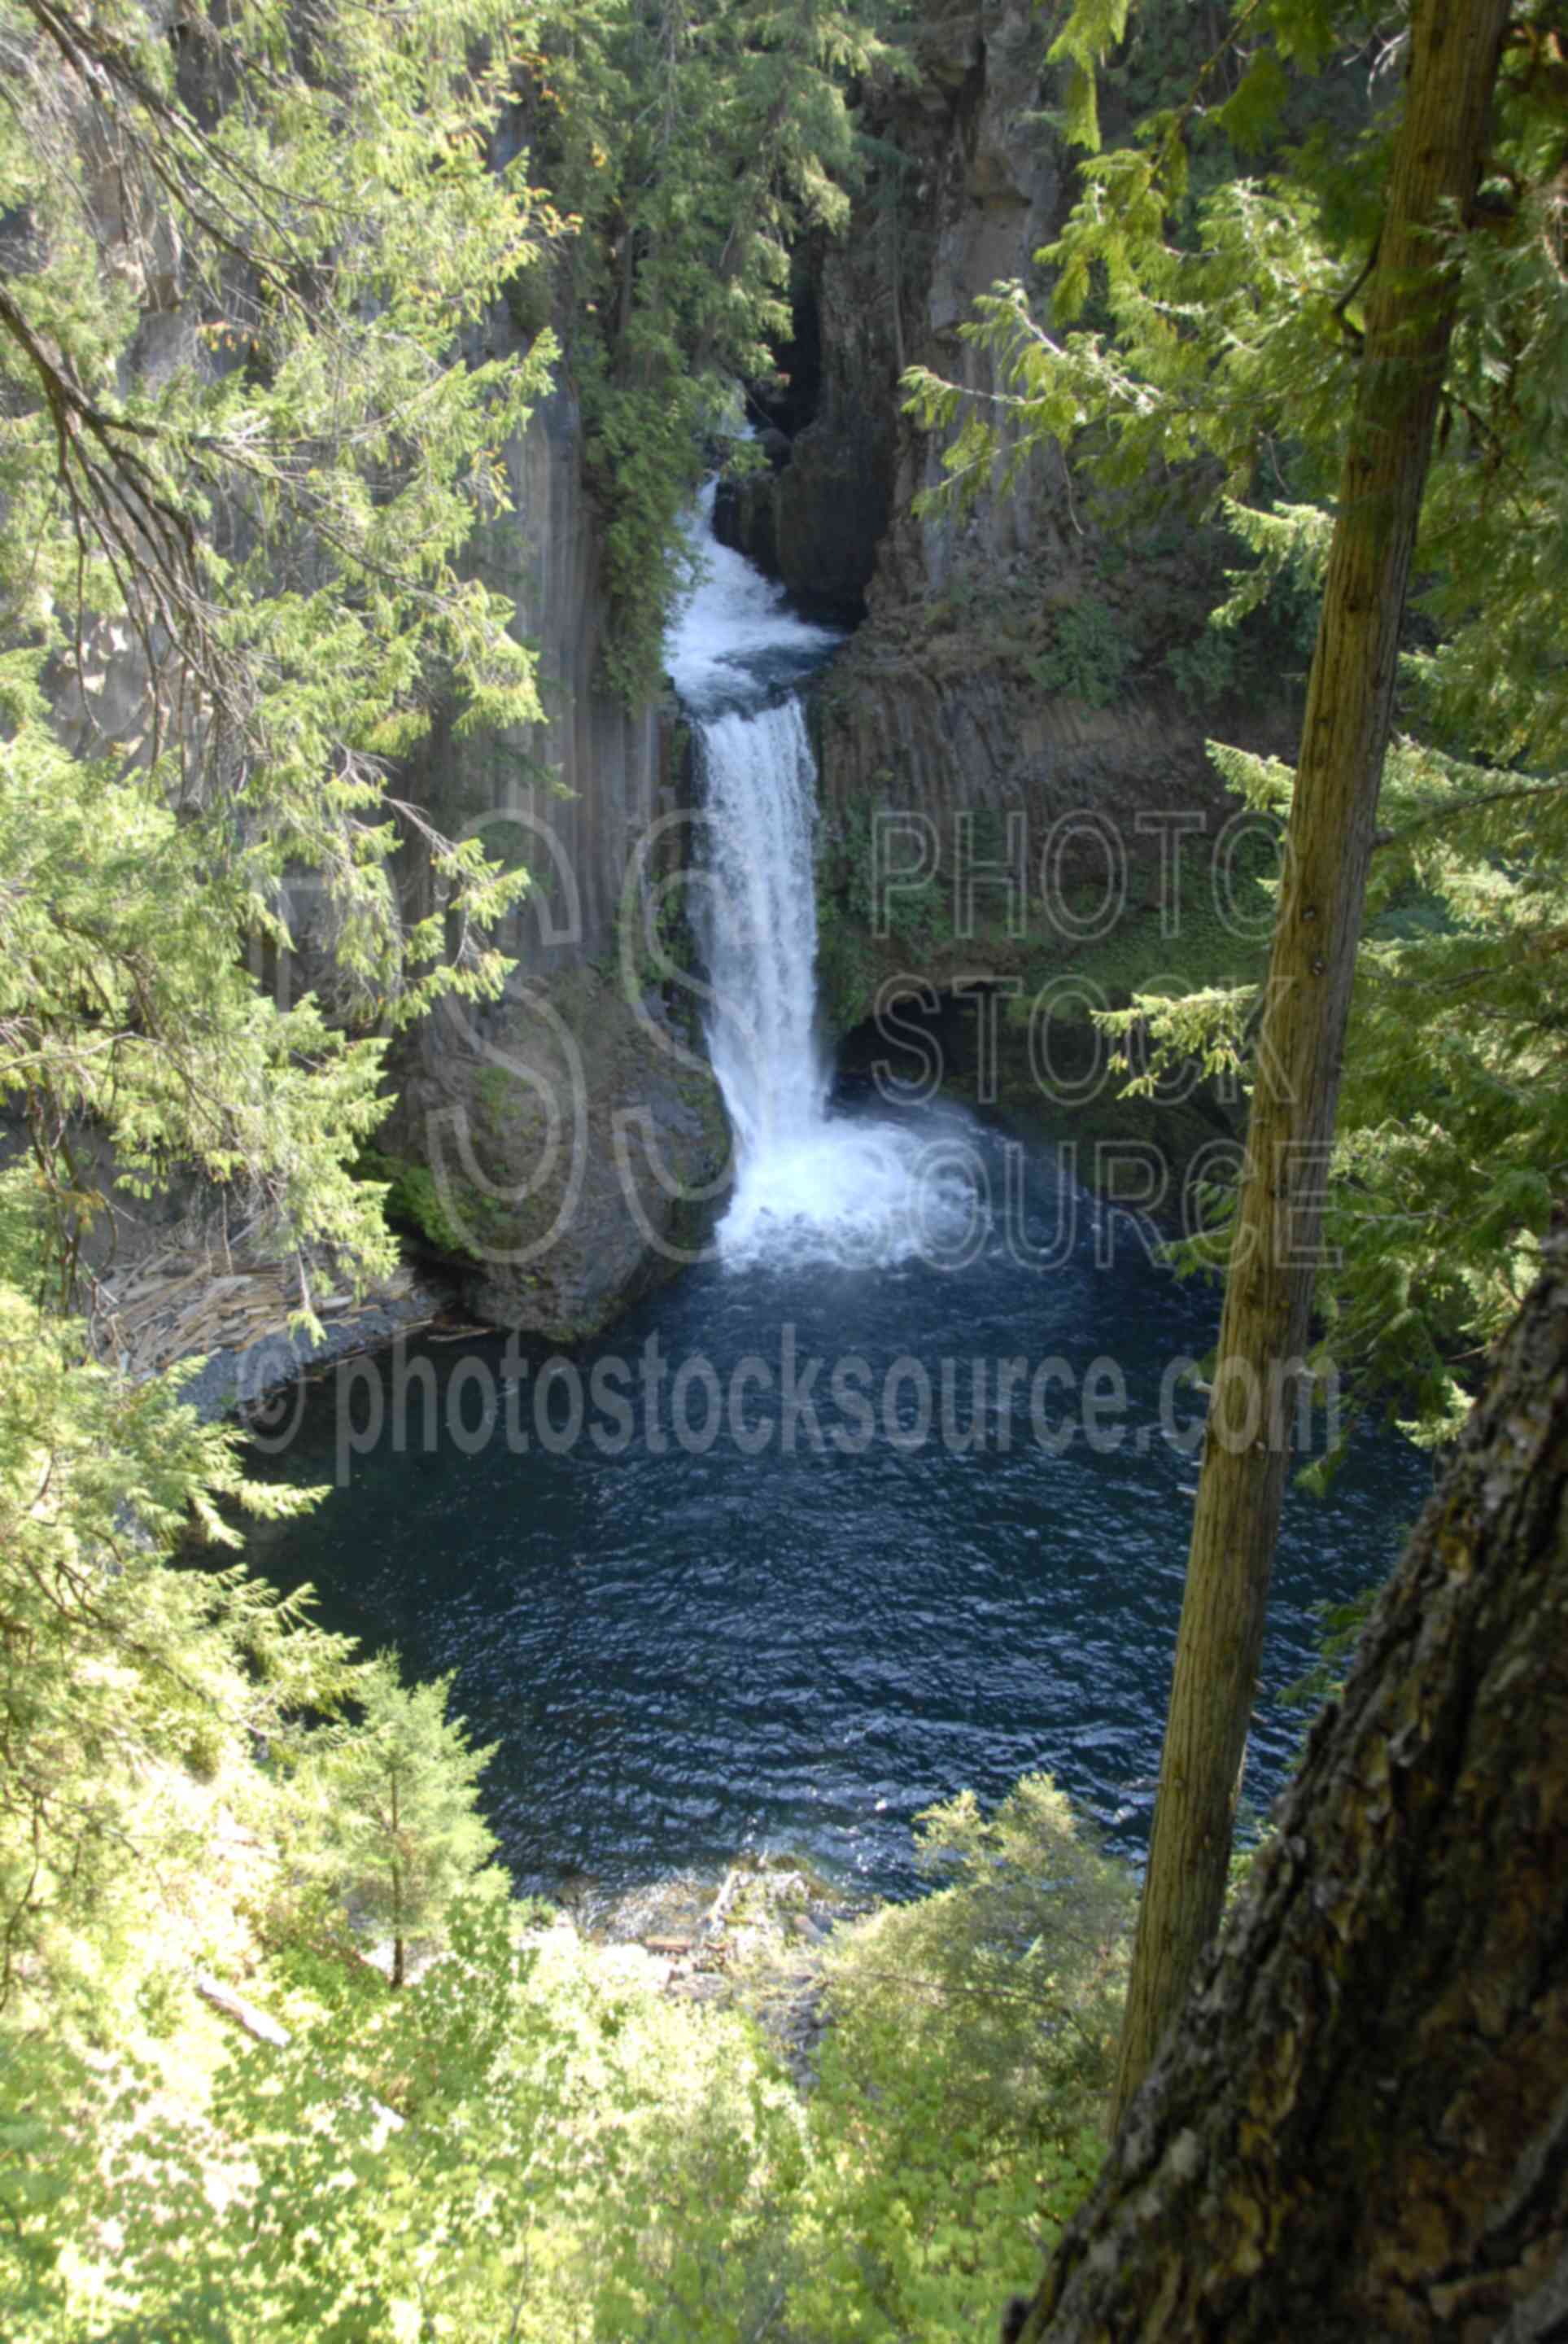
933,726
993,185
517,1116
576,1139
577,1147
572,796
946,699
1015,655
967,182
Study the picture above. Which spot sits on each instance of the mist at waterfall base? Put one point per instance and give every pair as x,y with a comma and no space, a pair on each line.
790,1642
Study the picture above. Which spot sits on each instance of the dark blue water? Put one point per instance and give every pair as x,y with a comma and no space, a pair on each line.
742,1638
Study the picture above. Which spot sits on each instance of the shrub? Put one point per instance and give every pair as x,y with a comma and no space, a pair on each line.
1089,654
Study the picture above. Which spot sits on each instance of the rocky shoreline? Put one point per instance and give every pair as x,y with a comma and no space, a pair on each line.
757,1940
245,1382
232,1315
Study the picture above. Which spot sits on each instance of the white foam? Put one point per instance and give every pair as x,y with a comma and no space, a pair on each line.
734,633
854,1195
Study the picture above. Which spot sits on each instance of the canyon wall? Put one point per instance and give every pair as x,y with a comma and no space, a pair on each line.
1020,650
1021,717
567,1144
1011,665
549,1153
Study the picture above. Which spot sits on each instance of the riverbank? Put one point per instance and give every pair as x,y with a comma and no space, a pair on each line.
231,1317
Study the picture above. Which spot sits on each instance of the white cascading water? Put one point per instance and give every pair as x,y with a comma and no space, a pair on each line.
809,1186
760,920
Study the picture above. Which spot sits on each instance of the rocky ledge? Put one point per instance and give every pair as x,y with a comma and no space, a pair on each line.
232,1315
757,1940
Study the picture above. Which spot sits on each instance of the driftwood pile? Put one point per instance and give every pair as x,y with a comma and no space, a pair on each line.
185,1303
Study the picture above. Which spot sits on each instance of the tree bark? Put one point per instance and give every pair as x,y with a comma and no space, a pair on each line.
1359,2129
1452,63
398,1962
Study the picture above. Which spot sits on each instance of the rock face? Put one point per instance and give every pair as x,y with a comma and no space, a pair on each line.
573,796
816,521
930,725
963,692
576,1140
1033,683
967,185
991,186
526,1114
568,1142
1016,655
576,1146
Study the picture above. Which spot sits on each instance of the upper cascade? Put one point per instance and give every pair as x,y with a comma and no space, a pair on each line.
734,643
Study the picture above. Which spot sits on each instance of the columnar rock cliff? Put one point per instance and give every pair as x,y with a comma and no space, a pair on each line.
1014,657
566,1145
575,1140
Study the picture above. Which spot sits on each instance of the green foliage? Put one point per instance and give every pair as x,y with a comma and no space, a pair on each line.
692,143
1017,1958
1089,654
134,1689
528,2143
243,446
1217,335
246,430
114,1667
124,1003
1453,1104
1092,28
972,2043
1454,1108
1291,544
414,1201
385,1807
48,2152
245,436
1340,1627
533,2140
848,967
1203,670
916,913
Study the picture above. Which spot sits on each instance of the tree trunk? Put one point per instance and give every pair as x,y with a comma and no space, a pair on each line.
1359,2129
398,1961
1453,53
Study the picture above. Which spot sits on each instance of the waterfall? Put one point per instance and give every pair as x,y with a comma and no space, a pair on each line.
810,1184
759,781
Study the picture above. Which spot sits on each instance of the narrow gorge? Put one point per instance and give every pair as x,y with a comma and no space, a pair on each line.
783,1054
825,1240
881,1497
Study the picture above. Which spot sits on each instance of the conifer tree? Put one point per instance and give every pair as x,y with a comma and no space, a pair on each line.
1228,249
393,1800
1269,1286
696,143
246,426
1357,2128
243,439
1250,324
